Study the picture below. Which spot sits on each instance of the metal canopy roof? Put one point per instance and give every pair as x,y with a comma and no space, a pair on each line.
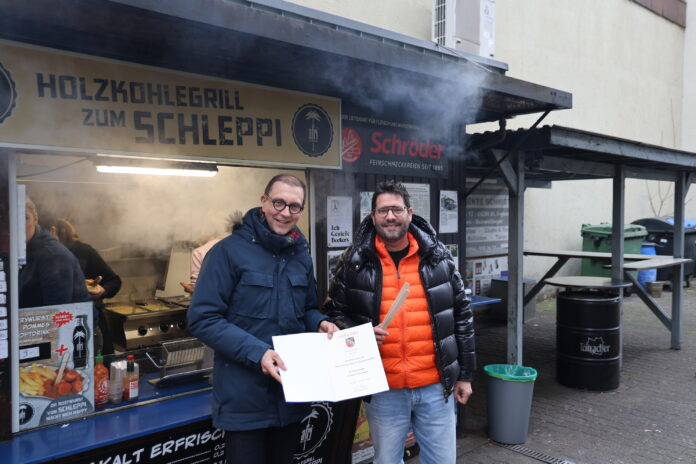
283,45
562,153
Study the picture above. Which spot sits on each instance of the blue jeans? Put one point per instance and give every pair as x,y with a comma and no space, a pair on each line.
390,414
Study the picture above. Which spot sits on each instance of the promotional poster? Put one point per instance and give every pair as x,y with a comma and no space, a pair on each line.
55,364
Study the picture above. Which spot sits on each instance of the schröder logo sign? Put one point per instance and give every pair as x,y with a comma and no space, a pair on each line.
8,94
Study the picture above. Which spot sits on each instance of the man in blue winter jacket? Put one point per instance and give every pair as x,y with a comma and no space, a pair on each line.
254,284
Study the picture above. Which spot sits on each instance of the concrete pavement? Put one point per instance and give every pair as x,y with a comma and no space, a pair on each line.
649,419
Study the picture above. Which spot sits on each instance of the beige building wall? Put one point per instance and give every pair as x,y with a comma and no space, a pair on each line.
689,117
409,17
624,66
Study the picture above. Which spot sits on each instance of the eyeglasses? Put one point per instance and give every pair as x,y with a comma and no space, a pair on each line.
396,211
280,205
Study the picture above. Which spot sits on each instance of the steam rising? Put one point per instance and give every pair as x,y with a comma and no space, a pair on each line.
146,214
436,105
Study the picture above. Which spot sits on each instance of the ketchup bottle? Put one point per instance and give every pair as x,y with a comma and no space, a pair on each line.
130,380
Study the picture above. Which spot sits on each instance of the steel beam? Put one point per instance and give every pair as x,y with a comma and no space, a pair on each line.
617,240
680,188
515,306
509,174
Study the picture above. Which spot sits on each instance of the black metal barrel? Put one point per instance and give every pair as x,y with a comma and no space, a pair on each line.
588,340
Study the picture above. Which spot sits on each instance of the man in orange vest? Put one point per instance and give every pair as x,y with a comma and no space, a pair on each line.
428,350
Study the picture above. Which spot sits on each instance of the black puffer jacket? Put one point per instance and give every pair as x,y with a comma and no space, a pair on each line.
356,291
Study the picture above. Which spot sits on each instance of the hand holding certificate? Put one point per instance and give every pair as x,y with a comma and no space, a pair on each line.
321,369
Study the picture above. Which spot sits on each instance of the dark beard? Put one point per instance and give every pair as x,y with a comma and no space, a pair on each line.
395,235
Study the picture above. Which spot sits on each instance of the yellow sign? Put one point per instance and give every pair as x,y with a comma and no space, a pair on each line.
56,100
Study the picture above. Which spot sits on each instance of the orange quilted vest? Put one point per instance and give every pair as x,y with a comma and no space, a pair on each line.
408,353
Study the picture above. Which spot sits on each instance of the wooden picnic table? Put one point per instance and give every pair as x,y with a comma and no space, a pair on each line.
580,254
563,256
588,282
635,262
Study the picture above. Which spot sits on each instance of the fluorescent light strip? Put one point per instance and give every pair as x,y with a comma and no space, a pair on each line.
156,171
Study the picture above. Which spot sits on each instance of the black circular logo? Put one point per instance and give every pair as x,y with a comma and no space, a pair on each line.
312,130
26,412
8,94
315,428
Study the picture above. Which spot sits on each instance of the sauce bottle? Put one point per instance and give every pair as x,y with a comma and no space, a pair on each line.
130,380
101,382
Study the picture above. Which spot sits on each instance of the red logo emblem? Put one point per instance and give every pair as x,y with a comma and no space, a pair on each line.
62,318
350,342
351,145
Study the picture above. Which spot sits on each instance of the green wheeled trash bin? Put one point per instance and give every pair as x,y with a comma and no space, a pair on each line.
509,402
598,237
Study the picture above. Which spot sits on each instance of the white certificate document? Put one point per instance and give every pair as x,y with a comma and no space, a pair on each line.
319,369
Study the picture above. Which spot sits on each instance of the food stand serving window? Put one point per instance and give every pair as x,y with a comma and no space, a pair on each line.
78,133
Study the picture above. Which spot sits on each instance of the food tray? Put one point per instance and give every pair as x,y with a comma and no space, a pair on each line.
178,353
177,360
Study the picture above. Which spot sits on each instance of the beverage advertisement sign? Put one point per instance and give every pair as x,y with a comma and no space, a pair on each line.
55,364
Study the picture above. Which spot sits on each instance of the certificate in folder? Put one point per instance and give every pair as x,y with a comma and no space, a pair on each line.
321,369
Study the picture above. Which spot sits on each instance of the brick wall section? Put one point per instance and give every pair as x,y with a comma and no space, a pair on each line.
672,10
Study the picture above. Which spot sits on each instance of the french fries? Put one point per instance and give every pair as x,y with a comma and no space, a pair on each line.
32,379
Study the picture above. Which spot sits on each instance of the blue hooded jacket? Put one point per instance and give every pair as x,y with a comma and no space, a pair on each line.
253,285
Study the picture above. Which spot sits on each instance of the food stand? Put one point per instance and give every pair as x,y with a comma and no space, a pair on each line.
78,94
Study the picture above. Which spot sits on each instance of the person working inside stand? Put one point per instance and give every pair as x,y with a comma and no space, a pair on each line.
198,254
102,282
254,284
51,275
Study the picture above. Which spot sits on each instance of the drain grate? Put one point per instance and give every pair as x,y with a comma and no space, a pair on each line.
543,457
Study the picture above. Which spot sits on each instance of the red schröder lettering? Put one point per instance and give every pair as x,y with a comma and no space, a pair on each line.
396,146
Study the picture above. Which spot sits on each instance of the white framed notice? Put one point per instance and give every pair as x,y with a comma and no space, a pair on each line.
420,199
339,222
449,211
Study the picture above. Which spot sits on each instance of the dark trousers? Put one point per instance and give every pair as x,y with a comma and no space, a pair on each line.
275,445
